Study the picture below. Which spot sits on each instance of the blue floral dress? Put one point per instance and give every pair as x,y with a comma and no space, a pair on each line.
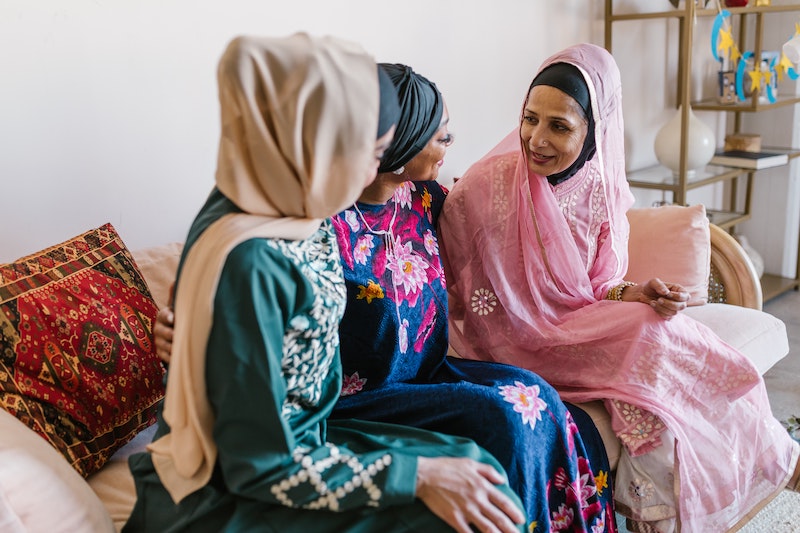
393,348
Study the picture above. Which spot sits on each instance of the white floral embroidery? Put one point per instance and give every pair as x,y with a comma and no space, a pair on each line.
310,473
587,191
483,301
311,341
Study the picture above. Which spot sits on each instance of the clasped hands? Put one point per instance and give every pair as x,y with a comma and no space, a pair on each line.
666,299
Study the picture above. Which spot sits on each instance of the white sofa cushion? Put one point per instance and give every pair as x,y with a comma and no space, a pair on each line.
758,335
39,491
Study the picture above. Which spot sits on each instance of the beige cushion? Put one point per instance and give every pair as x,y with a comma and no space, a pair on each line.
671,243
114,483
758,335
597,411
158,265
39,491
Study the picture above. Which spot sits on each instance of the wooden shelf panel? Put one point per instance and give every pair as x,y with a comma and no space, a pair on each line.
772,285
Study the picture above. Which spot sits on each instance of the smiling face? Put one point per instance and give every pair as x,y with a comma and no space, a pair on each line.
423,167
552,130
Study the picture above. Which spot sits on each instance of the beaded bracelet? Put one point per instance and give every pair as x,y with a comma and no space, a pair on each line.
616,292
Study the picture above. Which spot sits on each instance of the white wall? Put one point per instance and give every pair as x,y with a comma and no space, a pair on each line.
108,108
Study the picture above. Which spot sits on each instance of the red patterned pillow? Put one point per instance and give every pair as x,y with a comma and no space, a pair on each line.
77,361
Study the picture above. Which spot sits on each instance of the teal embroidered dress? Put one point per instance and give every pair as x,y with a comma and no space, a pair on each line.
273,376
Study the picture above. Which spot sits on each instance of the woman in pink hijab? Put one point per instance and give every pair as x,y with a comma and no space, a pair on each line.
534,238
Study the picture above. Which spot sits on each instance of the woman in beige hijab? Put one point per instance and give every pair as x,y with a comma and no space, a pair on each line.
244,443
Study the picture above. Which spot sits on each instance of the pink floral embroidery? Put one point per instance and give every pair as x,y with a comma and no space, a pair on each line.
561,479
343,239
408,269
431,245
526,401
402,195
572,431
562,519
600,526
363,249
352,384
584,485
403,334
352,220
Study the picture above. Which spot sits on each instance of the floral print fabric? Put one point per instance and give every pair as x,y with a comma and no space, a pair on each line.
394,345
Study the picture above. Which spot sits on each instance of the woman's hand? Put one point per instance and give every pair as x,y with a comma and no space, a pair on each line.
165,320
462,492
666,299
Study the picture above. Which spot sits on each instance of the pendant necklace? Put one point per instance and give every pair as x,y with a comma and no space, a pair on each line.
387,234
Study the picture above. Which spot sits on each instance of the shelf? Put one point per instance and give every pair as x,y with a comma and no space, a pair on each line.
726,219
772,285
748,10
791,152
700,12
661,178
741,183
751,105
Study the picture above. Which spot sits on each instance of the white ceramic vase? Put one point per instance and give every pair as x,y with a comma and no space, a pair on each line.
699,147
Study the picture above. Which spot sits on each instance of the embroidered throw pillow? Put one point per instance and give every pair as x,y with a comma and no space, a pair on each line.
77,360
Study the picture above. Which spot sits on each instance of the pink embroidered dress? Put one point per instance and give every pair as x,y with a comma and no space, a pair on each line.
528,267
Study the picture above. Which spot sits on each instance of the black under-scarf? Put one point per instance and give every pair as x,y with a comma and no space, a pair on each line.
421,108
389,108
569,80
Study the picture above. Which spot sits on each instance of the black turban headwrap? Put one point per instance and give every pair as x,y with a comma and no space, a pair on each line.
568,79
421,108
390,110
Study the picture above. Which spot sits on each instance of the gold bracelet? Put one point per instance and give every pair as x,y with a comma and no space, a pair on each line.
616,292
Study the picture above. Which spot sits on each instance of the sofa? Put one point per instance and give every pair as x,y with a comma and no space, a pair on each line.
46,487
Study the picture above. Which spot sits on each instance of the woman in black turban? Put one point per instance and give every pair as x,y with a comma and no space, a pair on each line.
394,335
423,108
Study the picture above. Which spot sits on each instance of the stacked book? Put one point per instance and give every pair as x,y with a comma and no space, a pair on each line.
752,160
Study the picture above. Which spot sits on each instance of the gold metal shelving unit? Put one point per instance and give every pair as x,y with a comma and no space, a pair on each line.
661,178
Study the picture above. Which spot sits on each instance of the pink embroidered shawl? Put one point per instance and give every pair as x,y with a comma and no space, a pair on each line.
528,266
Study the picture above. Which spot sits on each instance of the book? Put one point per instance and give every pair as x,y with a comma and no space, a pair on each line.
754,160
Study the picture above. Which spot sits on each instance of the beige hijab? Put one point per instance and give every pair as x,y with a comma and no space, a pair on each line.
299,122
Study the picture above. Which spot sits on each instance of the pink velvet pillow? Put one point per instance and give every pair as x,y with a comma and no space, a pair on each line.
672,243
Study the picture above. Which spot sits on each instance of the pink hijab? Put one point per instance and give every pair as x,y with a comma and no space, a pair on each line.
528,266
